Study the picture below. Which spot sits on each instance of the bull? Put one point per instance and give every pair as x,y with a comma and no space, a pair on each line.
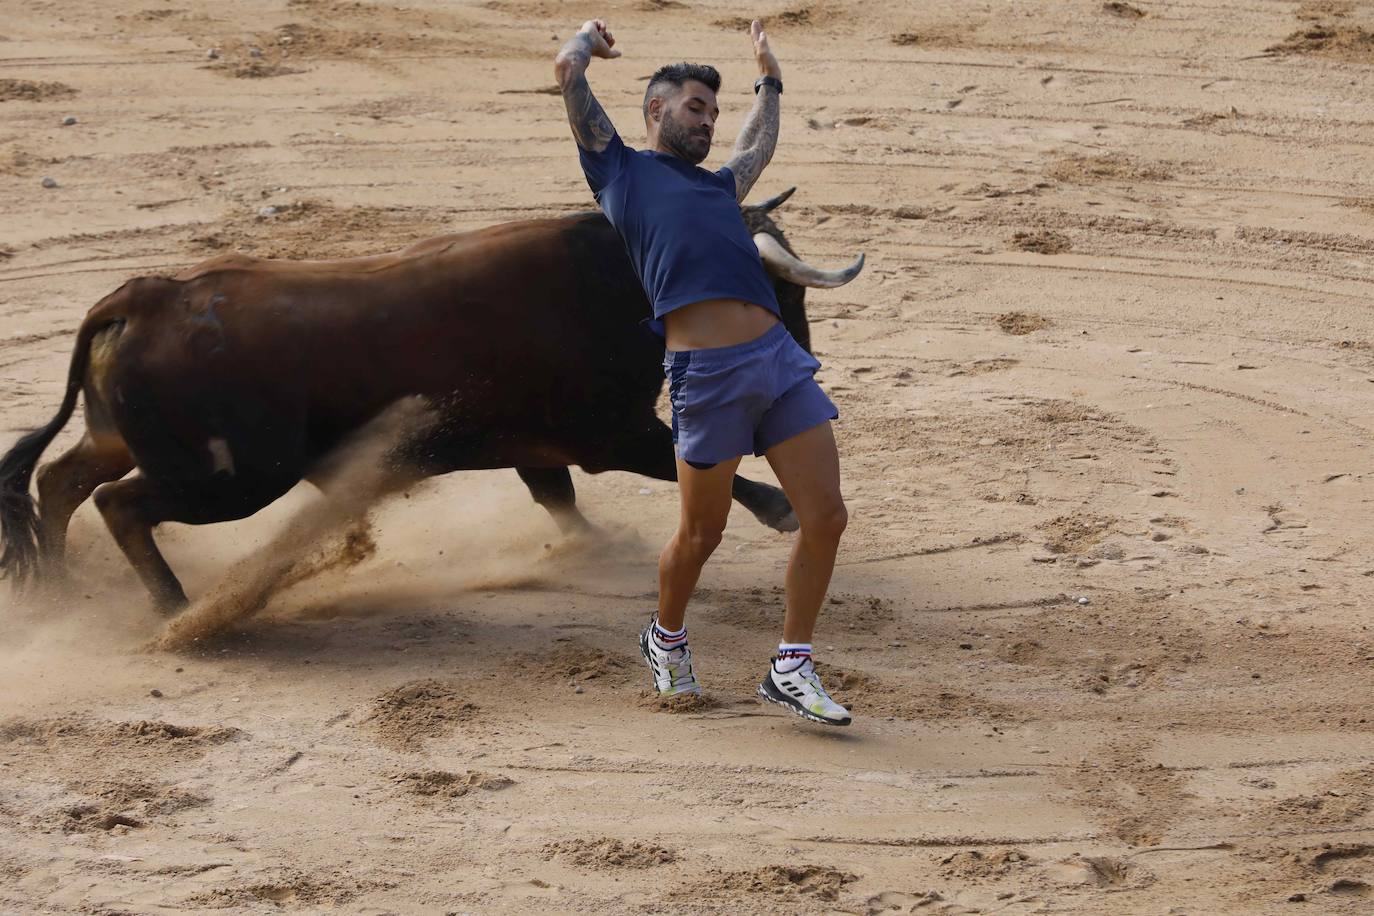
227,384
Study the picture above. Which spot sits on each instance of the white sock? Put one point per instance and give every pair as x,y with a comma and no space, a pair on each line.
791,656
669,639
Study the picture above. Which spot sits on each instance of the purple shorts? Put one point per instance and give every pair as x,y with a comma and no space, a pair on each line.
730,401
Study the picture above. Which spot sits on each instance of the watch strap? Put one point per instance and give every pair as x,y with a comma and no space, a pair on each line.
768,81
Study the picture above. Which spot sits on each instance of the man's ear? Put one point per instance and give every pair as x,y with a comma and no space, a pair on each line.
656,108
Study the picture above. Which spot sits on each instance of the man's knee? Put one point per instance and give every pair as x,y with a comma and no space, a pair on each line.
700,540
827,522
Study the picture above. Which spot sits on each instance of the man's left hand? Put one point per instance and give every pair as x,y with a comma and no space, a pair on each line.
768,64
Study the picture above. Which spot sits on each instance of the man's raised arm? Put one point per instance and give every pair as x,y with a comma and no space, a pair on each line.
590,125
759,134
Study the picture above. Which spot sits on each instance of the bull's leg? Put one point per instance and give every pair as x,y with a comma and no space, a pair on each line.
552,488
131,509
653,456
66,483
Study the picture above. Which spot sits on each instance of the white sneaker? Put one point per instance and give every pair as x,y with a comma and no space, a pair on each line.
672,668
800,691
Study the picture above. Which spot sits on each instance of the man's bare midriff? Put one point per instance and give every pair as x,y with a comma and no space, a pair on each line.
716,323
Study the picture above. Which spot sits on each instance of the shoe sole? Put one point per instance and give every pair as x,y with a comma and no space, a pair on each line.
644,648
765,692
644,651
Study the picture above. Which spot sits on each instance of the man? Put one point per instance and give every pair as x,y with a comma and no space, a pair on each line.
738,382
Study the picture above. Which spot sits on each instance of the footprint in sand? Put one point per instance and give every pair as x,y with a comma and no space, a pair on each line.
930,902
1020,324
292,889
407,716
1351,887
974,863
576,662
819,881
437,785
1101,871
608,852
1335,856
117,805
896,902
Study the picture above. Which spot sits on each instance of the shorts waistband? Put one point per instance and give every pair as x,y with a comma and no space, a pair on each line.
676,359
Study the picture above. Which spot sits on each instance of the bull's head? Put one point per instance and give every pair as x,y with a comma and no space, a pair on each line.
791,275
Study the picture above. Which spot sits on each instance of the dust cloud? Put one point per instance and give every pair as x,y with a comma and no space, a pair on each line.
494,538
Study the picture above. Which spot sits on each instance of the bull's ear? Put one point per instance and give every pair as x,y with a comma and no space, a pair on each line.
772,202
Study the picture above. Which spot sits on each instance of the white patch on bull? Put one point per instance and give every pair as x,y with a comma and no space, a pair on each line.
220,455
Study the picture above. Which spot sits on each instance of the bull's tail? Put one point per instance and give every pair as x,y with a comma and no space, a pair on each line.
19,559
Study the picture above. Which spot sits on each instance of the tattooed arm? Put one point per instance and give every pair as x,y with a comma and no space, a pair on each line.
590,125
759,134
757,138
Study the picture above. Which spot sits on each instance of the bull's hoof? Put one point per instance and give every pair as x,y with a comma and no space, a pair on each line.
779,517
767,503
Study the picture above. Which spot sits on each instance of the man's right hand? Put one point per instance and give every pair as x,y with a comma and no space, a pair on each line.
600,37
768,62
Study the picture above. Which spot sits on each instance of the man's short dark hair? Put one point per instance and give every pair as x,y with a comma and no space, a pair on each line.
675,75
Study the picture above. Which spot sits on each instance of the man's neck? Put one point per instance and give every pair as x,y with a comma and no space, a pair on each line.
660,148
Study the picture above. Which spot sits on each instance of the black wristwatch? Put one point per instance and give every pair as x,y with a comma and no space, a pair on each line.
768,81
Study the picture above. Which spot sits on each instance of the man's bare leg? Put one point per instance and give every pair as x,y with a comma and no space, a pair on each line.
706,499
808,467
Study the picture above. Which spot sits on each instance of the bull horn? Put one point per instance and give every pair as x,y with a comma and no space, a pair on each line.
787,266
773,202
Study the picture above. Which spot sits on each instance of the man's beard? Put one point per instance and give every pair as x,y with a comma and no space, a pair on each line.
692,146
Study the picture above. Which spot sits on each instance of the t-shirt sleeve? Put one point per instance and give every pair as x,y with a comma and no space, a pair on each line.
604,167
727,179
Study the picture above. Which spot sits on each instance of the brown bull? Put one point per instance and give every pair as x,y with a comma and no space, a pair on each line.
230,382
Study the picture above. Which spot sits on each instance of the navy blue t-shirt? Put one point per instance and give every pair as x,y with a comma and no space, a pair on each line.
681,226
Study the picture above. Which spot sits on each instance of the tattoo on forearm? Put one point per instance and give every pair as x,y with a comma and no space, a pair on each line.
758,137
590,125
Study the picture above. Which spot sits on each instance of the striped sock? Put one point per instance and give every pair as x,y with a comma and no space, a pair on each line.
792,655
670,639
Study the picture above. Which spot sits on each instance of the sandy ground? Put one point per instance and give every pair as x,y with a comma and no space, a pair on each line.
1103,609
